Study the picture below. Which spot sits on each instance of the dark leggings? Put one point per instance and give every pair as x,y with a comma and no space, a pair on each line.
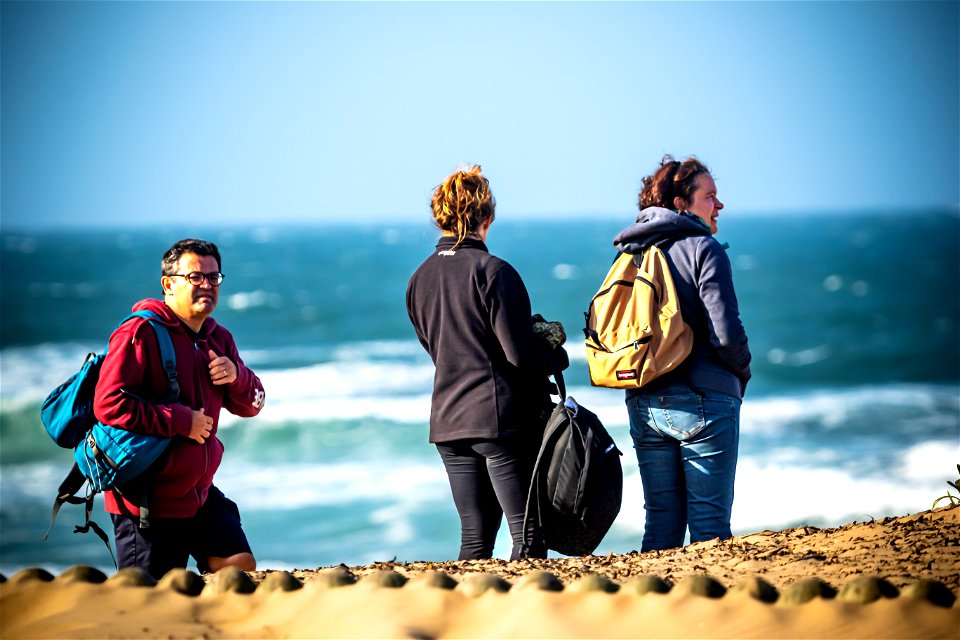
490,478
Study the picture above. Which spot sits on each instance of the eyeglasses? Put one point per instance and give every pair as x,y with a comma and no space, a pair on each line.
196,278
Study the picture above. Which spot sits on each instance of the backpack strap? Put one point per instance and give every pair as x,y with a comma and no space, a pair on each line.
70,486
544,456
90,524
169,357
561,387
589,333
167,353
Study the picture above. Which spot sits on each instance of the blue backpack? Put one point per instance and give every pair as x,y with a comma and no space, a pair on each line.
105,457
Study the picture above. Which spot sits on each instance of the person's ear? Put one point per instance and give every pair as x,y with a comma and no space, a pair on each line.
166,283
679,204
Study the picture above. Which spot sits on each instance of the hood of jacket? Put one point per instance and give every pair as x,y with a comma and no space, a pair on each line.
171,319
654,225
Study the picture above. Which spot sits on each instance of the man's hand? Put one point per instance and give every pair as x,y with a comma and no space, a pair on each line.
200,427
222,369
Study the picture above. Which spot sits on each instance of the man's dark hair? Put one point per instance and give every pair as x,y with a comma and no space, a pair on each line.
168,266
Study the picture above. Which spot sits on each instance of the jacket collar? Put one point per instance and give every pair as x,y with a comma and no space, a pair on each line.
656,224
445,243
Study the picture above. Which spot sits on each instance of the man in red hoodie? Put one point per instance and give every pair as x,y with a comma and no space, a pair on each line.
189,516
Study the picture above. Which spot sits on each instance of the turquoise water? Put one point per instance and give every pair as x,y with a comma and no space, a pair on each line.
853,412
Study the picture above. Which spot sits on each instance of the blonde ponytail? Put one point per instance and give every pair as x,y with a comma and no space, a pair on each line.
463,202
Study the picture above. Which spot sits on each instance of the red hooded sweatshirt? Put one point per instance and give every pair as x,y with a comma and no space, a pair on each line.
133,387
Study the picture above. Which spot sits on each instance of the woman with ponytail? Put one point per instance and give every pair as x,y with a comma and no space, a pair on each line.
471,313
685,424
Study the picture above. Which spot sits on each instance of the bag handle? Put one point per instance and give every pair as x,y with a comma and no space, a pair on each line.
561,387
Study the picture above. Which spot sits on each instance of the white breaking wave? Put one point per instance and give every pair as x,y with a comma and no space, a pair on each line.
343,391
28,374
768,495
836,407
389,497
391,390
777,496
345,370
273,487
394,380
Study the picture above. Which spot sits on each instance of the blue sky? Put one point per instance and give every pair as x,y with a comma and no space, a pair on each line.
147,112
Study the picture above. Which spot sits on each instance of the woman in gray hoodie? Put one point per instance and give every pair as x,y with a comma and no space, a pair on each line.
685,424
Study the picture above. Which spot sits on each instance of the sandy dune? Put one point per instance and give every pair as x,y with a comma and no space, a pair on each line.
893,578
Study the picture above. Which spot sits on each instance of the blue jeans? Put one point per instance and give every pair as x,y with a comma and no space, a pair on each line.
686,443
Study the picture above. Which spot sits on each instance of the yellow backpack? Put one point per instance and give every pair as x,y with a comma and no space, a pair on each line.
635,331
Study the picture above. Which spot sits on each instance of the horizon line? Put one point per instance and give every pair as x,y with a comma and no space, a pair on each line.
388,221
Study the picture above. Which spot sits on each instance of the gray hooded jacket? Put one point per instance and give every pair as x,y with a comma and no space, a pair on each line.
720,359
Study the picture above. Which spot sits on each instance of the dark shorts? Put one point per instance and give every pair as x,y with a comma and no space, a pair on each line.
169,542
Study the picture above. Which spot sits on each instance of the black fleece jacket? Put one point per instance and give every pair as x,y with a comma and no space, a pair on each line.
471,312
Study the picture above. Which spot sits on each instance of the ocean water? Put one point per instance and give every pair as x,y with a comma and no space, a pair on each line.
853,412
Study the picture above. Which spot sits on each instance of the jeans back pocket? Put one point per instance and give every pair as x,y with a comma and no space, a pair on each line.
678,416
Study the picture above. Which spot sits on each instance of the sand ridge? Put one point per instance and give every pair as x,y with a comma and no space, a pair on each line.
922,545
892,578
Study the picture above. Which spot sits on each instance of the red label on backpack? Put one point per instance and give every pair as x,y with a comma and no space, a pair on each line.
627,374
